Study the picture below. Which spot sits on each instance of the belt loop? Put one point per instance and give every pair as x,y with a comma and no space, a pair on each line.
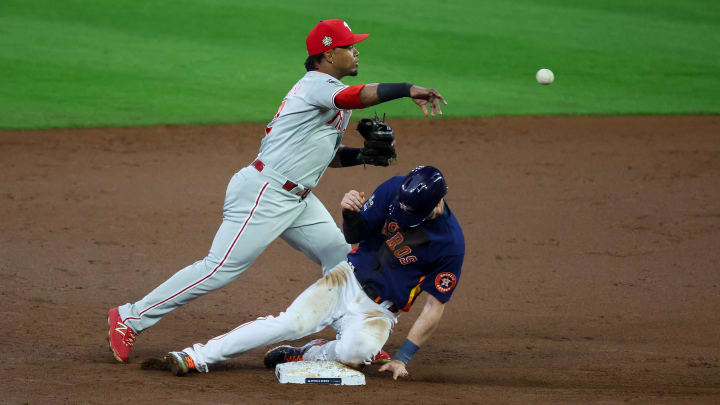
288,186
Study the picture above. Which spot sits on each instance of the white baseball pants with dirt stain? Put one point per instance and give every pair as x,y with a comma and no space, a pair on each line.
257,210
336,300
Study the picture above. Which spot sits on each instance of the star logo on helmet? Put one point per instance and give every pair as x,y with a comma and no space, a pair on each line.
405,208
327,41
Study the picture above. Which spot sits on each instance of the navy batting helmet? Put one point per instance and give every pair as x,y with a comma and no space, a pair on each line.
419,193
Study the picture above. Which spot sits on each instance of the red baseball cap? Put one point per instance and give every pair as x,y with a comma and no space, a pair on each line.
328,34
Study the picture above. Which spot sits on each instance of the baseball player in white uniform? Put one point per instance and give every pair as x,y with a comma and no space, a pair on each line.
272,196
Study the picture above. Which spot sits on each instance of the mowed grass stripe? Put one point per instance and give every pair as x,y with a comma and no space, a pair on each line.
101,63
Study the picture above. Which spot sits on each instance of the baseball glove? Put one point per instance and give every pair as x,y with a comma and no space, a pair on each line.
379,147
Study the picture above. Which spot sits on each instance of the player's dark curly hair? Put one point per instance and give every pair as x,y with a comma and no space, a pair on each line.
312,62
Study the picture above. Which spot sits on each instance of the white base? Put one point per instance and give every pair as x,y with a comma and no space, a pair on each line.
318,372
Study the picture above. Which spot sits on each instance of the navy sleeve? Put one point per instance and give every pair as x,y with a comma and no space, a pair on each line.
372,216
354,227
442,282
375,209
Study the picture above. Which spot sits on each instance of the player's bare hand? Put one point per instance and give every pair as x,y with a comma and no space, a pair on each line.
353,201
396,367
422,97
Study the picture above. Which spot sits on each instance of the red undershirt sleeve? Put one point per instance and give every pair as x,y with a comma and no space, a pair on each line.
349,98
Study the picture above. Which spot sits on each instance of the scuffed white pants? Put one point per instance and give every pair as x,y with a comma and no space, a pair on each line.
336,300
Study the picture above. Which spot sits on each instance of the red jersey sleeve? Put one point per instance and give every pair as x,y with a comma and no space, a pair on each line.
349,98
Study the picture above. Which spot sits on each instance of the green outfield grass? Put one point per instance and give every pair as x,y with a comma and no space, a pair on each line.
99,63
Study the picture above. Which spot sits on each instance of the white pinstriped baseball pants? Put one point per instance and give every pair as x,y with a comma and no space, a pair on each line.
256,212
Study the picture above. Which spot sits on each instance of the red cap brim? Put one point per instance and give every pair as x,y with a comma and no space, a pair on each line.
355,39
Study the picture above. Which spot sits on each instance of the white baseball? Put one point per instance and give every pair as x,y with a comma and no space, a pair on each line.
544,76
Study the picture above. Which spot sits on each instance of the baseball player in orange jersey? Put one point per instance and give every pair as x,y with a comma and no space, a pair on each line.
272,196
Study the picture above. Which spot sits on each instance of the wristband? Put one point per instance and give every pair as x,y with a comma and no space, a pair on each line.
391,91
406,351
349,156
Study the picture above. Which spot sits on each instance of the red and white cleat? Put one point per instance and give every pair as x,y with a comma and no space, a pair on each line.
121,336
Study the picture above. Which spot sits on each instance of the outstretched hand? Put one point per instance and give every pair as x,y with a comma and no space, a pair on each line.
422,97
396,367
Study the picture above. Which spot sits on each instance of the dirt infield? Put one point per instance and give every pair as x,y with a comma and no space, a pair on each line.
592,272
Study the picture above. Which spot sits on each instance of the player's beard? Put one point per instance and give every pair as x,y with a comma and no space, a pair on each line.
354,73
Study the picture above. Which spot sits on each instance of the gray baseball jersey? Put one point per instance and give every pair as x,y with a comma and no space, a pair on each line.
303,137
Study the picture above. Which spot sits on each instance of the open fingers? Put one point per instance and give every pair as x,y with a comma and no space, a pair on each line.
438,95
435,100
399,372
392,368
396,367
436,106
423,97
